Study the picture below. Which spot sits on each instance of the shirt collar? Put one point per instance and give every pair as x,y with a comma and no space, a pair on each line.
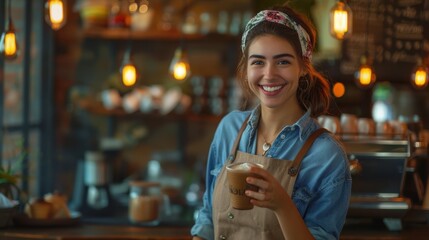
302,123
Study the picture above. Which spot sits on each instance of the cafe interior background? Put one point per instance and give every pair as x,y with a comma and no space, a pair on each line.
71,122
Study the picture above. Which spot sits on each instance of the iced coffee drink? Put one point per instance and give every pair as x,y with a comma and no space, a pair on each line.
236,176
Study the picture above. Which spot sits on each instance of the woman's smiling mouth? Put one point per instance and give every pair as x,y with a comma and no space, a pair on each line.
271,89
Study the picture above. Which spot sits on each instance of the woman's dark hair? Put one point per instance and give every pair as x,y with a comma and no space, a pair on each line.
313,89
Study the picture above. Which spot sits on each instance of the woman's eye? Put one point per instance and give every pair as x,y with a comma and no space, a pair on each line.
256,62
284,62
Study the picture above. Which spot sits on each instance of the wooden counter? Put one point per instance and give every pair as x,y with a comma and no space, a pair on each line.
96,232
365,230
415,227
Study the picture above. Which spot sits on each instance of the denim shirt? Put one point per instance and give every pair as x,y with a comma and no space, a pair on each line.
322,188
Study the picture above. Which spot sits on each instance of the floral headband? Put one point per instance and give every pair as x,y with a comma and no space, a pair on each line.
280,18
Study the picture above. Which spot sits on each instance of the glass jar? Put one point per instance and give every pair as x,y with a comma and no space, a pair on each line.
146,203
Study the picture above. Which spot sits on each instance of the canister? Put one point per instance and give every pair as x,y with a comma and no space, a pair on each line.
146,203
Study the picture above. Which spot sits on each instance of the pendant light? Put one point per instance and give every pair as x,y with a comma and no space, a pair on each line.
365,76
128,70
419,77
340,20
8,41
56,13
179,66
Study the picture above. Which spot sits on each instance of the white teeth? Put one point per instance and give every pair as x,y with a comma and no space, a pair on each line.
271,89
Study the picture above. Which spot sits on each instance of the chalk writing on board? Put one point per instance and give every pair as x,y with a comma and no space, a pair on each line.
391,32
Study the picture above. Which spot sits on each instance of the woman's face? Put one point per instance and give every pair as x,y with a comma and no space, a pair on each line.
273,71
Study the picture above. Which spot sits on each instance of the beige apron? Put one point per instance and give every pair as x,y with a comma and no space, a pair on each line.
257,223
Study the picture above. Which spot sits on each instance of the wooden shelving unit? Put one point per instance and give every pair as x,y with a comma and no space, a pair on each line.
185,123
127,34
96,107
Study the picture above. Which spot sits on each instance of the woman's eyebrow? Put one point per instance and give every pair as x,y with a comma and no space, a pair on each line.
283,55
275,56
257,56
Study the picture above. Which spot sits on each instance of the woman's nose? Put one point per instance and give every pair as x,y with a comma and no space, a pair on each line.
270,70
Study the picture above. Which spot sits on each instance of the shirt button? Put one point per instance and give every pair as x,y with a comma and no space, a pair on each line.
292,128
222,237
230,215
283,136
269,156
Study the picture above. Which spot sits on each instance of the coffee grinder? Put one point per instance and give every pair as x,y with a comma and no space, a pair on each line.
91,193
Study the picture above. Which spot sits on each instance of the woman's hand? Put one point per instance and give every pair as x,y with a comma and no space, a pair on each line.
273,196
270,194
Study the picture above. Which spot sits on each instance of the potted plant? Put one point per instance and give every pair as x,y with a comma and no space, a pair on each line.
8,182
9,177
11,166
8,191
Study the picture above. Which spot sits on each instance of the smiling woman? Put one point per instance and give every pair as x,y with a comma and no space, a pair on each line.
290,193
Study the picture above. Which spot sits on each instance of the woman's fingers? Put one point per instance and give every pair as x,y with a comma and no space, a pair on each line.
263,188
269,191
259,195
260,183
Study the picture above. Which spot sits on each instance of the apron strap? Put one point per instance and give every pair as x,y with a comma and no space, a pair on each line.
233,152
294,169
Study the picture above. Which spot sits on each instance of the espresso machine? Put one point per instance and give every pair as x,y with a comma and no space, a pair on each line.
378,166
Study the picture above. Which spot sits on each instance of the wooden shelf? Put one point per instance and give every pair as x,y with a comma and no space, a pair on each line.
126,34
97,108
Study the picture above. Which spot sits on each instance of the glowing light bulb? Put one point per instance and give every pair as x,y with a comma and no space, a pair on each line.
180,71
179,67
9,43
419,77
55,13
365,76
340,20
129,75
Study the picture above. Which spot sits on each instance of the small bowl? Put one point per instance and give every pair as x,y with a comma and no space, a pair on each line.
6,215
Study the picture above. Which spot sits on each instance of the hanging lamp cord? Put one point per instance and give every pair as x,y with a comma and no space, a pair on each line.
367,33
9,10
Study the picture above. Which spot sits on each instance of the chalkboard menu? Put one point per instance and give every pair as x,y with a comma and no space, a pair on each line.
393,32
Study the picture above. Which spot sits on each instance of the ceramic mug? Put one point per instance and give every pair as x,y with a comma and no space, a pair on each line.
399,128
110,98
332,123
366,126
349,123
383,129
131,102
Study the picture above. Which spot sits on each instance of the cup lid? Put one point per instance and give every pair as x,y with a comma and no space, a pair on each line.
245,166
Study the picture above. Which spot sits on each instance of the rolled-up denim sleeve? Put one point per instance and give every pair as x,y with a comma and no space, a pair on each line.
203,226
323,188
330,227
